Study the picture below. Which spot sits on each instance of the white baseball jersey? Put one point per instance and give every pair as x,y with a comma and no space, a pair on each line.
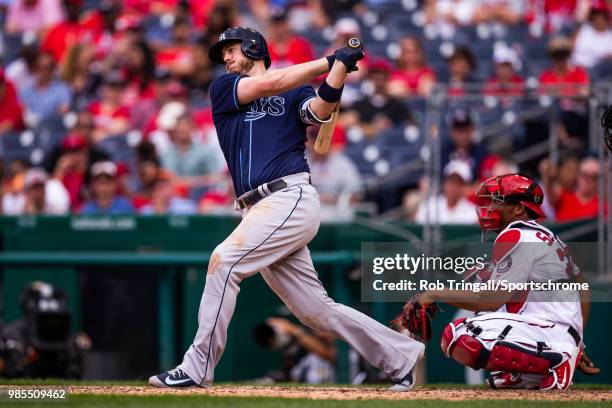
525,251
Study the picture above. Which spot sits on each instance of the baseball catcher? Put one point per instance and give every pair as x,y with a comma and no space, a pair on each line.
527,339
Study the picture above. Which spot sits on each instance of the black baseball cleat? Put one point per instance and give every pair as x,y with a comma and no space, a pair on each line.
407,383
175,378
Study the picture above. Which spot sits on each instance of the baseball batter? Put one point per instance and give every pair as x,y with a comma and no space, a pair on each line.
529,339
261,119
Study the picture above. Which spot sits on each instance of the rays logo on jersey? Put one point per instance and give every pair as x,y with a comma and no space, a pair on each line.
259,108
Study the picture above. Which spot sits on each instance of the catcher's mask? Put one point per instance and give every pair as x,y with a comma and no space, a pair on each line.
494,192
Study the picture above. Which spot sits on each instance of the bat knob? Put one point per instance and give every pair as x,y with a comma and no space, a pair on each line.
354,42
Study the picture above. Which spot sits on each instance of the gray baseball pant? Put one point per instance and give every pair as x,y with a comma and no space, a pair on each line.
272,239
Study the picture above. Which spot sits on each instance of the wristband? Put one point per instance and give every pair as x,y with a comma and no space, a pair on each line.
329,94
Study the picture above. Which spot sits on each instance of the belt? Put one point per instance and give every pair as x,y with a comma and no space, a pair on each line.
250,198
572,332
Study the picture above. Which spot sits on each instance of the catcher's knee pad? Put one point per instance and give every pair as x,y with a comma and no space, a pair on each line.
463,348
449,335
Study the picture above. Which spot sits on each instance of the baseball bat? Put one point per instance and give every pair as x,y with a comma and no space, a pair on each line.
326,130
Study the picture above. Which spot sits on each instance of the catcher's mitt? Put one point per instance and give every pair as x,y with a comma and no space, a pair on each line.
606,124
416,318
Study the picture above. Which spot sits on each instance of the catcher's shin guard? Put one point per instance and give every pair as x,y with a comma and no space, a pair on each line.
561,376
467,349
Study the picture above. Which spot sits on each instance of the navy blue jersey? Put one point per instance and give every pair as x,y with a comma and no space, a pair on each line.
263,140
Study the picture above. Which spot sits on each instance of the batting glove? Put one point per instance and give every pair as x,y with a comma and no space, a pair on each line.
349,57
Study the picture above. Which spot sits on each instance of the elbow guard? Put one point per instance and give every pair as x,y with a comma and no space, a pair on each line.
308,116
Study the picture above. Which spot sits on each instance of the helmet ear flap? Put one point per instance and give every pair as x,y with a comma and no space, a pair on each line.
250,48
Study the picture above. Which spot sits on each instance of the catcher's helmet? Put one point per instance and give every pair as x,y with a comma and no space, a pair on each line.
252,44
511,189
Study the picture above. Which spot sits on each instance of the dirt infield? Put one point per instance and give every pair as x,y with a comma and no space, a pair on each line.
342,393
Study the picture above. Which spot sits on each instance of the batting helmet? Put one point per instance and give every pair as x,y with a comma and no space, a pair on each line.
252,44
510,189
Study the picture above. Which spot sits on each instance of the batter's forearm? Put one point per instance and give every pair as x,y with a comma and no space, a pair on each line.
335,79
280,80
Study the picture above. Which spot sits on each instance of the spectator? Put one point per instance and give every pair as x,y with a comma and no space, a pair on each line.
11,118
41,196
223,16
110,116
219,200
501,167
452,206
71,168
163,124
163,119
378,111
143,113
580,203
554,15
506,82
593,42
164,200
413,77
103,24
177,57
446,15
563,78
462,145
199,11
498,11
104,191
326,11
64,35
203,74
47,97
571,84
139,67
33,16
461,67
130,29
13,181
148,171
80,134
22,71
76,70
336,179
285,47
566,174
195,163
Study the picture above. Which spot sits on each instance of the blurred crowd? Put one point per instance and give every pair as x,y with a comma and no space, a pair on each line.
105,106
